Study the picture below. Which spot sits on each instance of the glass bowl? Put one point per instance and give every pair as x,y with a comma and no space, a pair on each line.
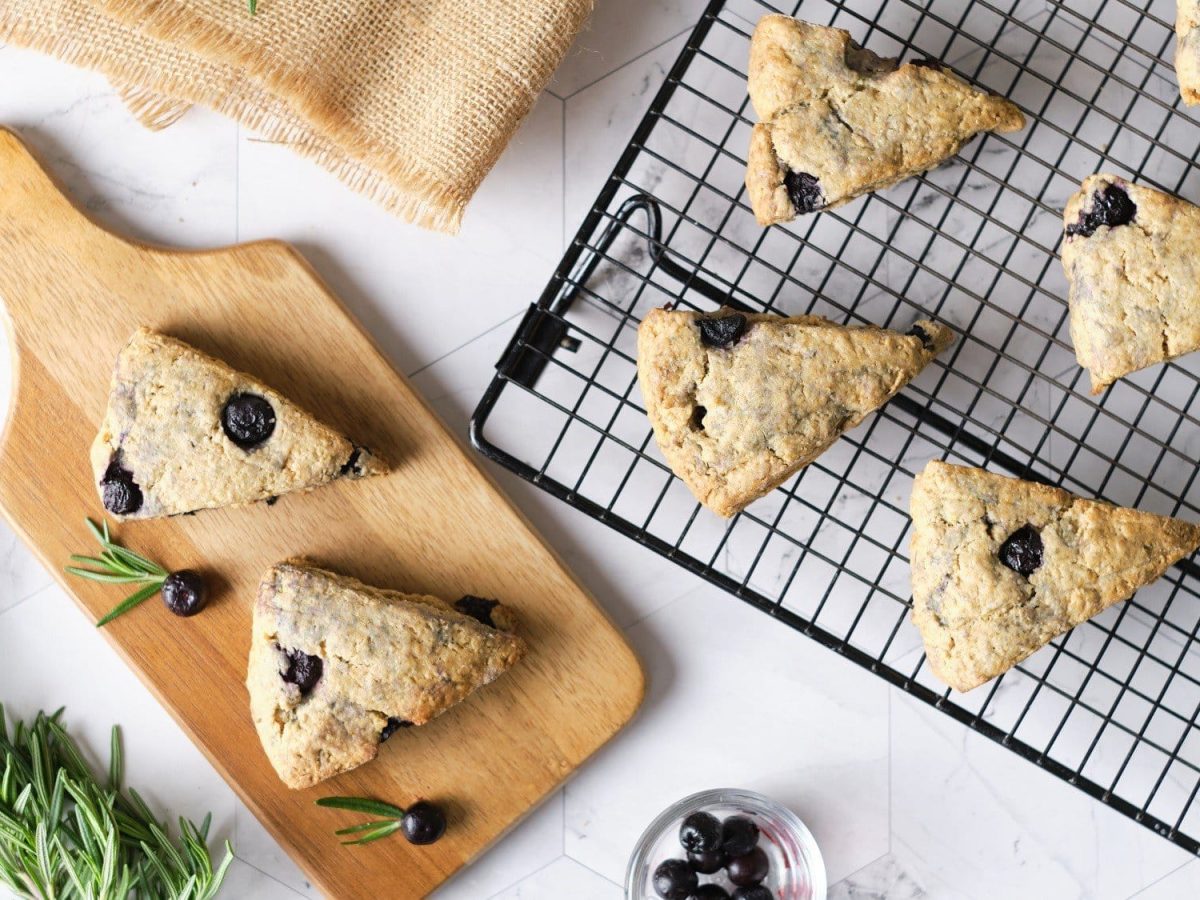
797,870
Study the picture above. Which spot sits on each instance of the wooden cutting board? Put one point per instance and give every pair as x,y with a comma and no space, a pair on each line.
74,293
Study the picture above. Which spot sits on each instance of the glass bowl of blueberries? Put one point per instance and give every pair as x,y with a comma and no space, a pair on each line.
726,845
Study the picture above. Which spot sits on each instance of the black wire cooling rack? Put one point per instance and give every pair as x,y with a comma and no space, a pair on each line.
1111,707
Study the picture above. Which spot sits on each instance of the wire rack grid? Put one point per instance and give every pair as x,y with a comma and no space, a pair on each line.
1111,707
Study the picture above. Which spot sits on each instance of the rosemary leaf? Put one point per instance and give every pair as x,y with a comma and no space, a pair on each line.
129,603
381,832
363,805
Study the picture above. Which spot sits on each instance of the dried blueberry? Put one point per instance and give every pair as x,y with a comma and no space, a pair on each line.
1022,551
758,892
749,870
739,836
303,670
698,415
674,880
804,191
423,823
708,862
1111,207
392,726
248,420
699,832
722,332
351,466
121,494
710,892
477,608
184,592
926,338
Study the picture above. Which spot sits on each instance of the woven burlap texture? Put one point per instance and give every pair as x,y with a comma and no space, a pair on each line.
409,101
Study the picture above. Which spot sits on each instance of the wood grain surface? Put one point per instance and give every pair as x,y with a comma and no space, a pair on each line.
74,293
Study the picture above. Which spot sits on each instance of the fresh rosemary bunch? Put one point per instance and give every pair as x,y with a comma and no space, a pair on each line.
67,834
119,565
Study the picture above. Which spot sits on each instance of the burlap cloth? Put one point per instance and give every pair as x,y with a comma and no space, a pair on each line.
409,101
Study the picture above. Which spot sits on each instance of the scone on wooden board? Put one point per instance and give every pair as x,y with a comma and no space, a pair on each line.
1187,49
183,431
337,666
836,121
1001,566
740,402
1132,260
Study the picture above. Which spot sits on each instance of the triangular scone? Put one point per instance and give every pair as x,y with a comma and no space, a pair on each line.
740,402
837,121
1001,566
184,431
1187,49
337,666
1132,258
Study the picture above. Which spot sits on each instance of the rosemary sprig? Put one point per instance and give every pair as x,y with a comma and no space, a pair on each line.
253,7
366,831
67,833
119,565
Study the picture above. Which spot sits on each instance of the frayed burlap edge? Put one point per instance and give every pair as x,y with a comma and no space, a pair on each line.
420,197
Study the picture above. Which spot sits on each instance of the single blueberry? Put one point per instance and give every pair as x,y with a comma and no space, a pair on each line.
674,880
392,726
804,191
1022,551
477,608
184,592
700,832
749,870
248,420
302,670
739,835
757,892
424,823
722,332
1111,207
122,496
710,892
926,338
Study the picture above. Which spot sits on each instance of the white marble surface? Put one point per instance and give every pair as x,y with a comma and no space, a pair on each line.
904,802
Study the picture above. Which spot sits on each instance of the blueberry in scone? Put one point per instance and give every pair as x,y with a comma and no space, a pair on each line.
1130,256
1187,49
337,667
837,121
184,431
1001,566
737,416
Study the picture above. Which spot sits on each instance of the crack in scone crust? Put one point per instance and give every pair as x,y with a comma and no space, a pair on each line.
1134,289
852,120
978,617
773,401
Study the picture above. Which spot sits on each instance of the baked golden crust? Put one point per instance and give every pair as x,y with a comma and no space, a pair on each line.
979,617
1187,49
849,120
1135,287
736,423
163,426
384,655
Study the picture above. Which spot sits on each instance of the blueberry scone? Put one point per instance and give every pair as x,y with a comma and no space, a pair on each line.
1187,49
184,431
337,667
1130,255
740,402
1001,566
838,121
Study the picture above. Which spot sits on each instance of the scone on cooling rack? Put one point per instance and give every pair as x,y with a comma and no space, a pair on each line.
837,121
740,402
184,432
1130,255
337,667
1187,49
1001,566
